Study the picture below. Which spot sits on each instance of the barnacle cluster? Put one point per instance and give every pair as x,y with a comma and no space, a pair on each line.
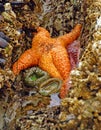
84,97
10,26
81,109
88,76
60,16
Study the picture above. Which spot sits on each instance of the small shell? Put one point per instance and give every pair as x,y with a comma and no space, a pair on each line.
3,43
7,6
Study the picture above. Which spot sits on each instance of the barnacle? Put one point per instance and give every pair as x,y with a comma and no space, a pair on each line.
81,109
84,98
88,72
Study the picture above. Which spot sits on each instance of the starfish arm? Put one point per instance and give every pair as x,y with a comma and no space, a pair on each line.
43,31
65,88
61,61
41,36
46,64
27,59
70,37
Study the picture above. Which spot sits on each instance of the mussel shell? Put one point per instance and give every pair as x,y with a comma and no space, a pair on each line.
2,62
3,43
31,4
50,86
2,7
17,4
29,31
35,76
2,35
4,1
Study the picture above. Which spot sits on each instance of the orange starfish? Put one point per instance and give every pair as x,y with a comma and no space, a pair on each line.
50,54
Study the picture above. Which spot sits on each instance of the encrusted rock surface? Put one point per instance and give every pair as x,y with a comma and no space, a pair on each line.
23,107
84,97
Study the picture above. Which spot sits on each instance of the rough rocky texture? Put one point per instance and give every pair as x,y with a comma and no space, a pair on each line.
81,109
84,97
87,76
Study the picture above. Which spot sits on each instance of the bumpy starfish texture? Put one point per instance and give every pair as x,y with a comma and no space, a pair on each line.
49,54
